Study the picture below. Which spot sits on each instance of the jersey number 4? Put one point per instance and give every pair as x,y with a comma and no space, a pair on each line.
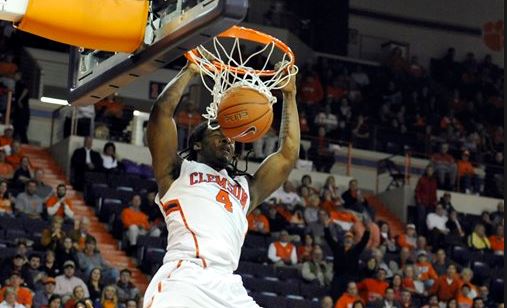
223,197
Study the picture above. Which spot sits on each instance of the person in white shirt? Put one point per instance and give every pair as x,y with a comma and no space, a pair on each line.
326,119
66,283
436,223
360,77
10,299
283,252
287,196
109,159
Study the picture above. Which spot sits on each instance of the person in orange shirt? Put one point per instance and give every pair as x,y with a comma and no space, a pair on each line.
447,286
349,297
311,91
136,222
463,298
466,278
6,138
6,169
6,200
283,252
257,222
305,250
58,205
409,238
24,295
497,241
469,182
16,154
372,289
424,270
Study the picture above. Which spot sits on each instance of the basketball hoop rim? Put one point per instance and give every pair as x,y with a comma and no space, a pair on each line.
249,35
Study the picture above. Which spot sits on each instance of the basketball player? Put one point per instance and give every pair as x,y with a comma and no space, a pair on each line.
205,201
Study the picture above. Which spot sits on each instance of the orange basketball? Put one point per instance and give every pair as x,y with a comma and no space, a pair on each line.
244,114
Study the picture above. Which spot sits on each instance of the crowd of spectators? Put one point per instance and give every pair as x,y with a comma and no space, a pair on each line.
332,237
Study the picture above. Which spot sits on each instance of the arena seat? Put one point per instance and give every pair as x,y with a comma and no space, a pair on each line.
461,255
298,303
266,300
482,272
287,273
497,290
312,291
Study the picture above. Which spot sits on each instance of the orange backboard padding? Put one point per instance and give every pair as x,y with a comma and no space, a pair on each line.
109,25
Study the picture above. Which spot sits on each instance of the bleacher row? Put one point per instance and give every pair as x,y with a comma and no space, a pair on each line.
283,287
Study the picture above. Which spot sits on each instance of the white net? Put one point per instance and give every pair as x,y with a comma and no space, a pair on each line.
230,69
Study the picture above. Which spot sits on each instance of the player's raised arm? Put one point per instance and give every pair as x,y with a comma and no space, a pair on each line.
161,131
275,169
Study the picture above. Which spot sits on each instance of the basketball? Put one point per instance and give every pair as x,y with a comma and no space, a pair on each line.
244,114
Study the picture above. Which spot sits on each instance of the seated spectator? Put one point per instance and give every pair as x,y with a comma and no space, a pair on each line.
425,196
478,239
6,200
286,196
311,212
41,297
95,284
6,169
6,139
397,264
445,167
326,302
316,229
387,301
330,186
24,295
396,285
109,158
484,295
447,286
311,91
387,242
90,258
80,233
378,254
463,299
263,147
28,203
109,298
84,160
424,270
130,303
355,201
487,223
409,238
317,270
306,181
23,173
66,283
60,206
77,295
53,237
441,262
326,119
445,201
368,269
282,252
125,288
406,299
136,222
43,191
14,264
498,216
349,297
16,155
345,258
436,223
276,221
257,222
305,250
456,235
49,266
10,299
320,152
497,241
66,252
466,278
410,281
36,273
371,289
469,182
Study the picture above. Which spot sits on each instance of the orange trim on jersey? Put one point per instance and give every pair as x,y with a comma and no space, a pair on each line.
175,204
159,287
170,206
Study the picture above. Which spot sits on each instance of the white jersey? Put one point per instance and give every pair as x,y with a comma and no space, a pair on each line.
205,212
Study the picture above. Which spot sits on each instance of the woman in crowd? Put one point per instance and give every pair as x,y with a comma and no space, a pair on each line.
305,250
109,158
49,266
109,297
6,200
78,294
94,284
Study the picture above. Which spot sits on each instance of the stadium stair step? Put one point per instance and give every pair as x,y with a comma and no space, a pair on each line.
108,246
383,213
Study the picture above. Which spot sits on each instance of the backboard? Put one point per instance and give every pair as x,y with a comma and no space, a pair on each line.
173,27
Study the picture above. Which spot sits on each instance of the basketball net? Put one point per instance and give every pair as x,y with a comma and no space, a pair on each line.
229,72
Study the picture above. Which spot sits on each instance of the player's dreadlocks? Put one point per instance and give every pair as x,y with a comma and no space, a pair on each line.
196,136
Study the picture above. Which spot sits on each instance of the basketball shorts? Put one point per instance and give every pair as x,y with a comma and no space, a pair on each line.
185,284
